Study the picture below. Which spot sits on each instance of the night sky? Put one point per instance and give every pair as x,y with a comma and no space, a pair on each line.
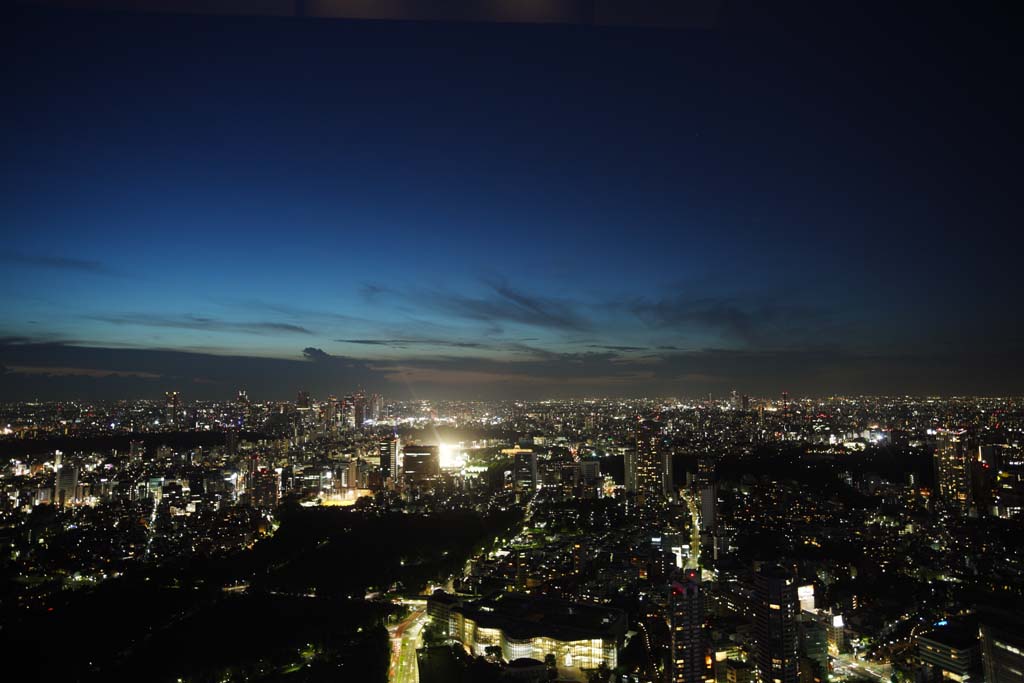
817,203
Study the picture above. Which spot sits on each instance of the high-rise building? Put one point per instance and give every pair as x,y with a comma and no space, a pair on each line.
266,488
65,491
1004,465
302,400
359,415
524,470
951,652
172,409
689,658
388,450
775,625
644,466
952,478
420,463
1002,648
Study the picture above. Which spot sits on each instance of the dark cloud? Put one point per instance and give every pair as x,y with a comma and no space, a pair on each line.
194,322
57,262
502,304
53,371
406,343
747,322
610,347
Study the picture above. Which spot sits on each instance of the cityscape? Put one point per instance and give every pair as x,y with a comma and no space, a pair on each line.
731,539
498,341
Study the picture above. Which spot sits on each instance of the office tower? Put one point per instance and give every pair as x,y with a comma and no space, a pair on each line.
785,402
952,652
706,487
1002,647
668,475
420,463
376,408
267,488
1002,468
814,646
231,442
331,415
644,467
65,491
689,661
590,473
775,625
172,409
388,450
302,400
952,481
135,451
242,398
524,470
745,403
358,409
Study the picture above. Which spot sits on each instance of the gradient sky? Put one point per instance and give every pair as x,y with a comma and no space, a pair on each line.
805,202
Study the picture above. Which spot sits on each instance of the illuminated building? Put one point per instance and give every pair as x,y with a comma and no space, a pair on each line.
775,625
689,658
579,635
524,470
420,463
65,492
388,450
644,466
172,408
952,477
266,488
302,400
952,652
1002,648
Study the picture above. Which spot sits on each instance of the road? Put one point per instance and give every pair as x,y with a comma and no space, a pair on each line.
405,638
847,665
693,562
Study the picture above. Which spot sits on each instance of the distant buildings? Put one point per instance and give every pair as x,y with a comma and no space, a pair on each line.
388,449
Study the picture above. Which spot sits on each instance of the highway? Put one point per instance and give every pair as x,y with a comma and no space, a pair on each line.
692,502
405,639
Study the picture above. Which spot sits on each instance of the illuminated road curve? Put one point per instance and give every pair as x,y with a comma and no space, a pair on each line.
405,638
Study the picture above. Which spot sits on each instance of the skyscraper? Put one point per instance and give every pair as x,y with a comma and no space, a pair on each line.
524,470
775,625
952,478
689,659
66,485
644,466
172,409
388,450
420,463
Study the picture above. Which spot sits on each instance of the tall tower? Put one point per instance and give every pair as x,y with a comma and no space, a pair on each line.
644,469
388,450
775,625
172,408
952,476
689,661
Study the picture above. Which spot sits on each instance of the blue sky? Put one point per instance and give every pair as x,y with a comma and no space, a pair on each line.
510,211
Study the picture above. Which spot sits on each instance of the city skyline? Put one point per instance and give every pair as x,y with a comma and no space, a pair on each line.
759,205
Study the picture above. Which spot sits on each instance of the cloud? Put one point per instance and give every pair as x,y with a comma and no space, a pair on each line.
193,322
55,262
56,371
500,304
752,323
406,343
610,347
315,354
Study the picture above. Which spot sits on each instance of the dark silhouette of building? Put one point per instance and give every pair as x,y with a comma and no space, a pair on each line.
775,625
689,660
